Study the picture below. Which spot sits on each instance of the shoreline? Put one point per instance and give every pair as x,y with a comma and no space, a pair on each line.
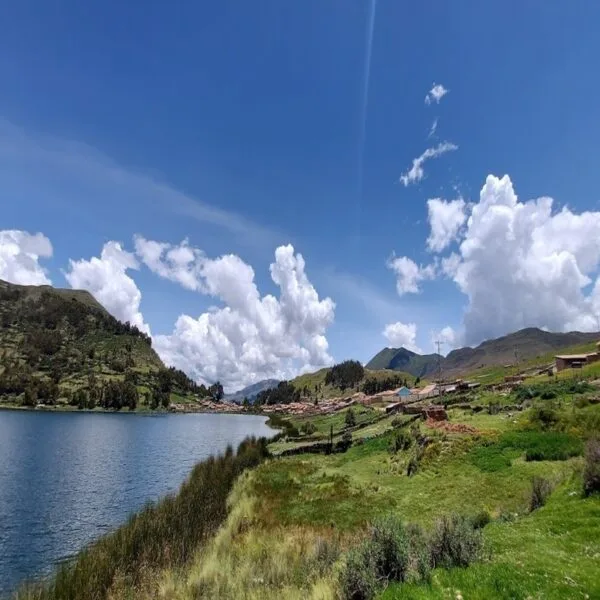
68,409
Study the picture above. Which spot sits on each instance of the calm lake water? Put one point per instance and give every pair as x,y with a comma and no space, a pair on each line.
67,478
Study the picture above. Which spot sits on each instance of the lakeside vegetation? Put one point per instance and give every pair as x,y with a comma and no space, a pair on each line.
162,535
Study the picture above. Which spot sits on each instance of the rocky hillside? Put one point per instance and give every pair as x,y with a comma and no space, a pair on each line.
529,343
61,346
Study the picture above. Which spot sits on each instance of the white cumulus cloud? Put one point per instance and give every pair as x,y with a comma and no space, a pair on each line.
20,252
416,172
180,263
252,337
402,335
106,278
522,264
409,274
445,219
436,93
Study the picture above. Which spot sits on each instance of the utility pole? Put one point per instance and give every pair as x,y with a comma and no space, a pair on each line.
438,343
516,351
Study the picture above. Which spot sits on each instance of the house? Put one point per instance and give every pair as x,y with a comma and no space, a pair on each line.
575,361
403,392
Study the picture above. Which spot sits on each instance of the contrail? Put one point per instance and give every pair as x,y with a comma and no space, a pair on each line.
363,111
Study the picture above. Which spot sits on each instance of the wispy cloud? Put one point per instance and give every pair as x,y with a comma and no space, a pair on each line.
416,172
433,128
82,167
436,93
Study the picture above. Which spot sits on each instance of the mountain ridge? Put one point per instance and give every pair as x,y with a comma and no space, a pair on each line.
528,343
252,390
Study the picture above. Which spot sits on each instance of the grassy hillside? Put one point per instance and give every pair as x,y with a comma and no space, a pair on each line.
61,346
315,384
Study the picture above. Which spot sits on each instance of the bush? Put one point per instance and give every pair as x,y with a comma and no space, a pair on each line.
591,473
397,422
540,491
544,416
481,519
344,443
401,440
392,552
413,466
358,578
392,548
308,428
455,543
350,418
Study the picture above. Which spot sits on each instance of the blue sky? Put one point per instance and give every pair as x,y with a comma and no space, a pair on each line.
242,127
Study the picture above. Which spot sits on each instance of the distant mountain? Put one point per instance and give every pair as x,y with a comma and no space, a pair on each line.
529,343
401,359
251,391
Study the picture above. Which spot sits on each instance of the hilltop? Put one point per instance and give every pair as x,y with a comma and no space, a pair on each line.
61,346
529,344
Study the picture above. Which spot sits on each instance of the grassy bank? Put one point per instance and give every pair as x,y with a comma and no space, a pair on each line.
164,535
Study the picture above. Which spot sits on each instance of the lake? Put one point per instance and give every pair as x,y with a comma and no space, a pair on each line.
68,478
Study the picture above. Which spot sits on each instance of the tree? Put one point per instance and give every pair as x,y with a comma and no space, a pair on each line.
345,374
246,402
130,395
165,400
216,391
350,418
30,396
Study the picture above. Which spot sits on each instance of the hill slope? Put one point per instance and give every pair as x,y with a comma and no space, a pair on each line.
63,346
529,343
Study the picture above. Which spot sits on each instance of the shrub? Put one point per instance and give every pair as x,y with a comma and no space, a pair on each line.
591,473
397,422
308,428
420,565
350,418
401,440
455,542
344,443
544,416
413,466
358,578
540,491
392,548
481,519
